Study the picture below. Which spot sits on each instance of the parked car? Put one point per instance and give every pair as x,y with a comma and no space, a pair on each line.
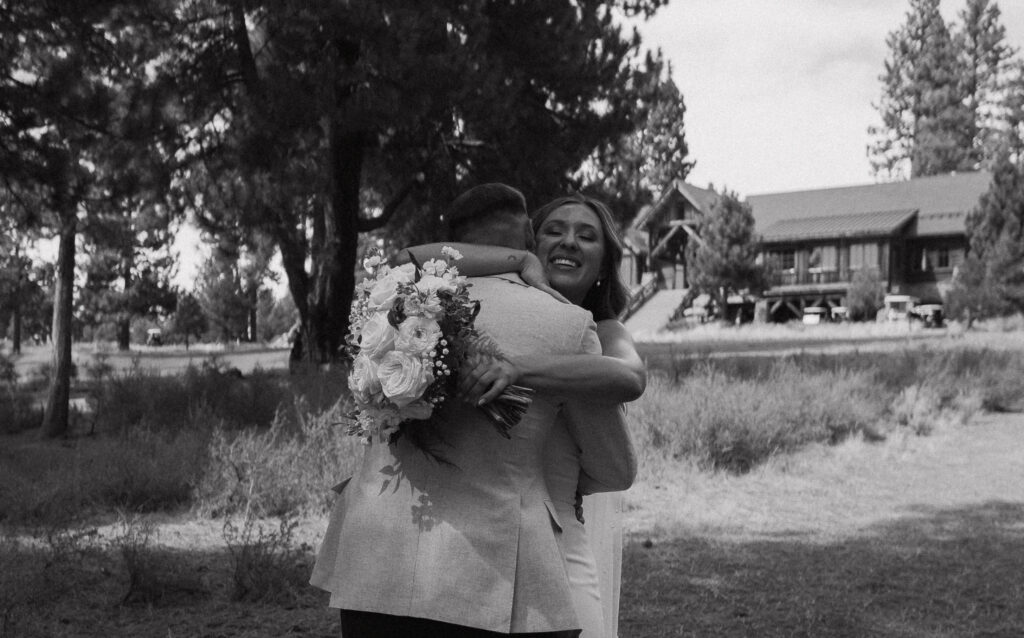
813,315
931,315
897,308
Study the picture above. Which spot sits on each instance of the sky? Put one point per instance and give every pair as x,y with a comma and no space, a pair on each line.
779,93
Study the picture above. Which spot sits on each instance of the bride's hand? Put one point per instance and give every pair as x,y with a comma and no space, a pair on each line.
483,379
532,272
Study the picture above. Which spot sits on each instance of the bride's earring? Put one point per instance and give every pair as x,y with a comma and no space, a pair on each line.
599,281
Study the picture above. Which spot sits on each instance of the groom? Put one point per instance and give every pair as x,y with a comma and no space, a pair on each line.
419,548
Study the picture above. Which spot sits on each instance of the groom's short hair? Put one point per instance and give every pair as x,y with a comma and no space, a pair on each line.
483,206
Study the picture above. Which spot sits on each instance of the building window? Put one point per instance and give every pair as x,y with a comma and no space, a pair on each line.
784,260
863,255
829,260
937,258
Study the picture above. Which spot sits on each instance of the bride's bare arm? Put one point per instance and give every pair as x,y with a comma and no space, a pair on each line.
616,376
477,260
480,261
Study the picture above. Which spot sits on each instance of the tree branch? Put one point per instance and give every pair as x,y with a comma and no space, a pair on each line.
240,34
367,224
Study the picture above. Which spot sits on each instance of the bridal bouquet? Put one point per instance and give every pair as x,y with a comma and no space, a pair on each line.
411,328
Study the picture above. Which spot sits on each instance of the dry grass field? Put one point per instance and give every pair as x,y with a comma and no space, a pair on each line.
175,518
911,537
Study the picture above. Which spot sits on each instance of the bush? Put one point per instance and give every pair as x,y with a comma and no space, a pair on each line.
733,424
280,471
734,413
50,485
865,295
145,398
266,568
18,412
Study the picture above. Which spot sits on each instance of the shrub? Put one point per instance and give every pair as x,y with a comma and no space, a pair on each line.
865,295
265,566
51,485
142,397
281,470
734,424
18,412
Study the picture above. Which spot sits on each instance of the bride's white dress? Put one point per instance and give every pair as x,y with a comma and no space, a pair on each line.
592,551
603,515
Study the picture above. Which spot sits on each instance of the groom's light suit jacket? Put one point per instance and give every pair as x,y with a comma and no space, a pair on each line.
473,545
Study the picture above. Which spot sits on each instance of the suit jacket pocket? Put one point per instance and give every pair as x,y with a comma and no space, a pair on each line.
555,523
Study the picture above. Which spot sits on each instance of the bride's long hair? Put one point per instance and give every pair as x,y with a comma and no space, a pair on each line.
608,297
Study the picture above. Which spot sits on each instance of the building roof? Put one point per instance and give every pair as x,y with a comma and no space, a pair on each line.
941,201
700,198
877,224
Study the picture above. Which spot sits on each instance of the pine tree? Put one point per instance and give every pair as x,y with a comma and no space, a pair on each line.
188,319
632,170
927,128
987,64
995,230
725,260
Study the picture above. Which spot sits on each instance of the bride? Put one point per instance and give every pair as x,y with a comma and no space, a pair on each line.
576,259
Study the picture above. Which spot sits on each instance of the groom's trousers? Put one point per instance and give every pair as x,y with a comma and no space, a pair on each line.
363,624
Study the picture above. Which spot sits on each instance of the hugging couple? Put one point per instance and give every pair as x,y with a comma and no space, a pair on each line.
501,539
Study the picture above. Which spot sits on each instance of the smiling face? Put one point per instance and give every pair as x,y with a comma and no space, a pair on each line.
571,245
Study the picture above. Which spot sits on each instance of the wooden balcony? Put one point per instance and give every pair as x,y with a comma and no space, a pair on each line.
810,277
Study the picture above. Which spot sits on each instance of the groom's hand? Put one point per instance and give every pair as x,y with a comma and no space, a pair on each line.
482,379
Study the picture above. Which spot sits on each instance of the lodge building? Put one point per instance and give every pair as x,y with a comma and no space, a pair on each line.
910,234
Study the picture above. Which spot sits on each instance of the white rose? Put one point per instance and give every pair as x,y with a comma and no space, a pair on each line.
433,284
362,380
430,306
417,336
435,267
451,253
378,336
384,292
403,378
404,274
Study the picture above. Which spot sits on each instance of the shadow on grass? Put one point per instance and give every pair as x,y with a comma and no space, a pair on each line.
936,573
90,591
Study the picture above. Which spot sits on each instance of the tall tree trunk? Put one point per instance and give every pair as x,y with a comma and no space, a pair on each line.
335,277
124,334
253,327
55,419
16,311
16,326
124,322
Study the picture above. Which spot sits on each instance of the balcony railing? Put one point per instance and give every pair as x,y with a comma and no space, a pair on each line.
812,277
639,297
